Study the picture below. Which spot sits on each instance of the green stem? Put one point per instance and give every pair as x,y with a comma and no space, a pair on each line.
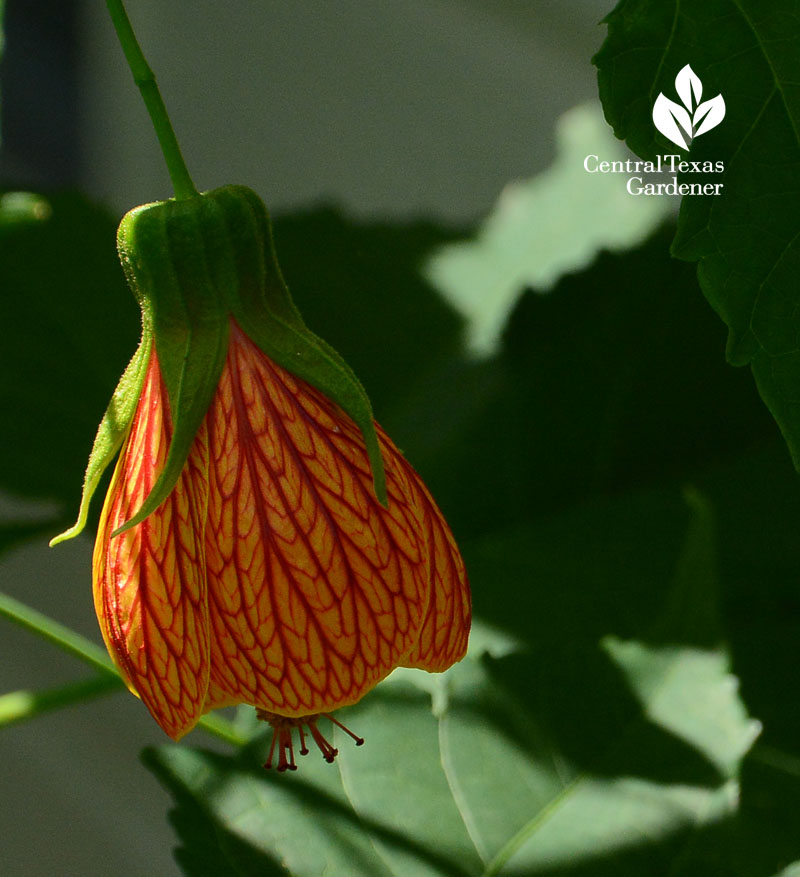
223,729
19,706
145,80
57,634
87,651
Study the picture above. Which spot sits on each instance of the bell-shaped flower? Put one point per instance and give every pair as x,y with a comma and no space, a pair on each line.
262,541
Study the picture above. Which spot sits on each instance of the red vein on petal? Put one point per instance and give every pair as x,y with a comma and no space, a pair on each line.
351,436
343,536
449,610
285,459
149,581
267,537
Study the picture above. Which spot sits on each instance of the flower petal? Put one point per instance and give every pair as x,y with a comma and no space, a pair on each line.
445,630
149,582
316,591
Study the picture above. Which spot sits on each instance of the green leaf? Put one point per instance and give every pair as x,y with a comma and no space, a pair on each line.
673,682
747,239
305,825
111,434
398,781
534,580
485,788
757,509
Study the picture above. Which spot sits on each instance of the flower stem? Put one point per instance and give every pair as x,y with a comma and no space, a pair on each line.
222,728
57,634
19,706
145,80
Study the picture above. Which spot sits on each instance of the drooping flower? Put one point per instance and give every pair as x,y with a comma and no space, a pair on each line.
262,540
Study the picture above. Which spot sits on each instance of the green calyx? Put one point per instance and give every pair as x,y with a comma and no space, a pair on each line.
111,433
192,265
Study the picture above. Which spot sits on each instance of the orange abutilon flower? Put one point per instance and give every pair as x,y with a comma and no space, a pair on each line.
262,541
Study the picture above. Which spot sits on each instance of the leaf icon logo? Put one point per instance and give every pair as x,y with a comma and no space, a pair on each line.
681,124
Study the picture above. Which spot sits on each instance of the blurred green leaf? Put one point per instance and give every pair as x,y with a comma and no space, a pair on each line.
611,381
481,790
542,228
534,579
18,208
23,705
757,505
70,327
691,693
230,811
747,239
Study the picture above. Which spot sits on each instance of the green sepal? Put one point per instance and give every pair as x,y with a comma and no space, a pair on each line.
263,308
192,265
177,263
111,433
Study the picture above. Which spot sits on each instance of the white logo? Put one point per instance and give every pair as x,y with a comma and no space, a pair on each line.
681,124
